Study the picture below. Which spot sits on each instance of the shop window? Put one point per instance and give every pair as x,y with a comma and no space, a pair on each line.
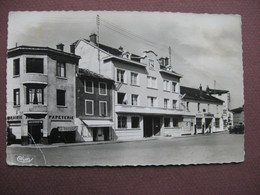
134,78
134,100
16,67
217,123
61,69
151,101
167,122
166,103
89,107
121,122
175,122
199,123
89,86
102,108
102,88
61,97
34,95
16,97
34,65
120,76
135,122
121,98
151,82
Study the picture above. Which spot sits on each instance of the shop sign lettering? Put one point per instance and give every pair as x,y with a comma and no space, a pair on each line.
57,117
16,117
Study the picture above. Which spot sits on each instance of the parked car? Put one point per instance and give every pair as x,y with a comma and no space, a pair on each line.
237,129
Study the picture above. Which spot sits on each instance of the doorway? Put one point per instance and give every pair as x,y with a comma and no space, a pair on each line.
35,131
152,126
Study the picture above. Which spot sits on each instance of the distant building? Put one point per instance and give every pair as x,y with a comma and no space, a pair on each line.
94,106
147,91
206,111
41,94
238,114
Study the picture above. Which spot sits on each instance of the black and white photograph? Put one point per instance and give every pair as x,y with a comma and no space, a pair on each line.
110,88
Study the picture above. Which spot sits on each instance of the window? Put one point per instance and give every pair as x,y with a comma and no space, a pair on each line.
151,64
166,103
102,88
61,97
151,82
166,85
217,122
151,101
16,67
167,122
173,87
174,104
121,98
121,122
89,107
134,100
34,65
175,122
134,78
135,122
89,86
34,95
61,69
120,76
198,107
16,97
102,108
188,106
199,123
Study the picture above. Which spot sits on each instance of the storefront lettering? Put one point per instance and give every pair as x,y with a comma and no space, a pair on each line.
17,117
57,117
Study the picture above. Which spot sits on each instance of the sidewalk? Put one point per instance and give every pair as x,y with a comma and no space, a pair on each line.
55,145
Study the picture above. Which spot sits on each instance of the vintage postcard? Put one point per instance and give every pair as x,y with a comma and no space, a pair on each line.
102,88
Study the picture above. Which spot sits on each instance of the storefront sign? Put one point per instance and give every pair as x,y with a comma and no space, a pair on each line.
57,117
16,117
208,115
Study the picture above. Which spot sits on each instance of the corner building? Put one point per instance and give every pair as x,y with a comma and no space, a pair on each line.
41,94
146,98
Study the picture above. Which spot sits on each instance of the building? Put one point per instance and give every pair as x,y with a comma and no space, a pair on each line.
41,94
206,111
238,114
94,106
225,96
146,99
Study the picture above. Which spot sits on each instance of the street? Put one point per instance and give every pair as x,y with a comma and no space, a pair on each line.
199,149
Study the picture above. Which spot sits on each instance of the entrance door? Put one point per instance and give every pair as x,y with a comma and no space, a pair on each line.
34,131
152,126
207,124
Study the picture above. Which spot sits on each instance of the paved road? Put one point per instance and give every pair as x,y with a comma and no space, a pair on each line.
214,148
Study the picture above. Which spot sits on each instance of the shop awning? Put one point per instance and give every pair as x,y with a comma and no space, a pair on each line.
64,126
98,123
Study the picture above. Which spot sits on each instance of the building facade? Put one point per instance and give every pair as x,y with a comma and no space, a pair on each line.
206,111
41,94
94,106
147,91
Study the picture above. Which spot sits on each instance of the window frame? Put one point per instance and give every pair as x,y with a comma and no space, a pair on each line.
100,88
16,100
64,91
59,66
137,99
85,86
137,79
30,101
100,114
124,102
166,85
217,124
14,67
174,104
132,122
154,100
173,87
27,65
169,124
92,110
124,76
150,80
121,127
165,100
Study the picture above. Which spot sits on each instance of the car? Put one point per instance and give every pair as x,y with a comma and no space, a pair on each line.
237,129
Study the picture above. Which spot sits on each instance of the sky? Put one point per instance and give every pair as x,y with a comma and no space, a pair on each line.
204,47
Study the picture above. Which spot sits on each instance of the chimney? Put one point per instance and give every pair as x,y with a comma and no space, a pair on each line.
60,46
207,89
121,49
166,61
72,48
200,90
93,38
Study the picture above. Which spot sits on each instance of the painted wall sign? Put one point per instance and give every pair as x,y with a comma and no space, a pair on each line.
16,117
57,117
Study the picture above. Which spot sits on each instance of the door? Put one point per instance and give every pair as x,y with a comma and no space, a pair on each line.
34,131
208,124
156,126
148,127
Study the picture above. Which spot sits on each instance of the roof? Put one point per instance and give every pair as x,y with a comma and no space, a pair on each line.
238,110
36,50
197,95
89,73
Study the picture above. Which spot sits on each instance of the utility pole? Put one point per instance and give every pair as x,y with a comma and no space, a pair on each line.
98,23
